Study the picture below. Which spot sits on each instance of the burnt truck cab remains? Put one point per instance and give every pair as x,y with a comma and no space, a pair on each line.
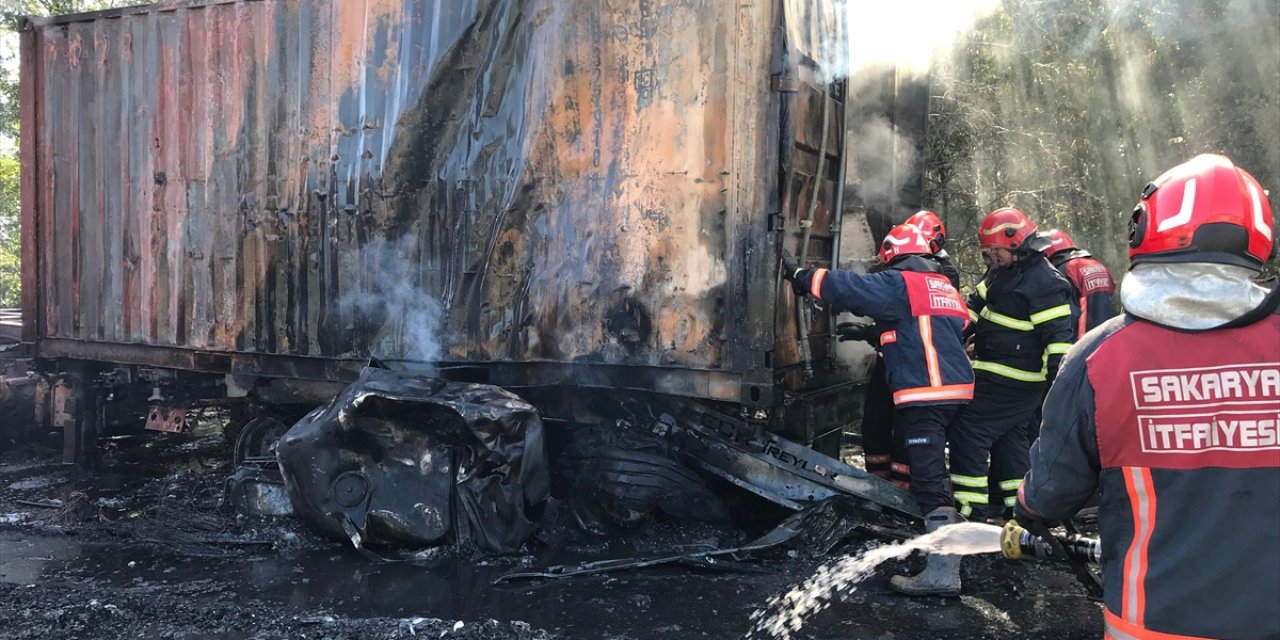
566,202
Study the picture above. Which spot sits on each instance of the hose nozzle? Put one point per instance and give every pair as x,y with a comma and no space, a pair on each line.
1011,540
1017,543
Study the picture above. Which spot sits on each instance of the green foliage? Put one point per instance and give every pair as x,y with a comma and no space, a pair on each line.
10,242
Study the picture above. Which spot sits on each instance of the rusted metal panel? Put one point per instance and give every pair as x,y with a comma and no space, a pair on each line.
29,124
460,181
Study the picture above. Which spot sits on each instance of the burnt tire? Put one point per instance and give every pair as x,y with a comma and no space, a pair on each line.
258,438
619,479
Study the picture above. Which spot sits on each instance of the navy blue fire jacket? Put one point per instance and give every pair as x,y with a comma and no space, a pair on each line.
923,318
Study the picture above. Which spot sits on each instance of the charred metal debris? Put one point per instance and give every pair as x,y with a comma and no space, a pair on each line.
400,459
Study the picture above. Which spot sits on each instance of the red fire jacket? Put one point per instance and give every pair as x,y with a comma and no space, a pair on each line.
1180,429
1093,284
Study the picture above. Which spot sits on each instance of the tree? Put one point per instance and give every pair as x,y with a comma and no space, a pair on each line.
10,244
1067,108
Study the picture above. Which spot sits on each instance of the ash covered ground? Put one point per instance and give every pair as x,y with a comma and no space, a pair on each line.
141,547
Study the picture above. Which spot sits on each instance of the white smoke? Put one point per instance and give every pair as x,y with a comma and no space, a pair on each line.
408,321
905,33
886,159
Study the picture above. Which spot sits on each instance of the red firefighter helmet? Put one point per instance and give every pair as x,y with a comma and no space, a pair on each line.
1007,227
1058,241
903,240
930,226
1203,210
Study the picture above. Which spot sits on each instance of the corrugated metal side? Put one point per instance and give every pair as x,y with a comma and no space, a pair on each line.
185,154
461,180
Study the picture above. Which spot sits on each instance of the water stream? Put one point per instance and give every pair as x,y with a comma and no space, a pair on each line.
785,614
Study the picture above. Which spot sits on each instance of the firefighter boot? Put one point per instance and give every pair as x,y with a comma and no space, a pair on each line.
941,575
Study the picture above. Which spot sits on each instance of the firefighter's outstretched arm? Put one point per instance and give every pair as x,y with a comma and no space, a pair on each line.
878,295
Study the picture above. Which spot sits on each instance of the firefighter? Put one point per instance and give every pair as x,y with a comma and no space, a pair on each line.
935,233
1093,283
1171,410
885,455
1024,321
923,319
883,451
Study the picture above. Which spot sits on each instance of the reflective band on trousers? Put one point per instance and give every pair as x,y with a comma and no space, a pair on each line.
1006,321
1011,485
1009,372
1052,313
968,497
979,482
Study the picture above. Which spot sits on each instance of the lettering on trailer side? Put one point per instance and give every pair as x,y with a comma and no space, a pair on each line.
773,451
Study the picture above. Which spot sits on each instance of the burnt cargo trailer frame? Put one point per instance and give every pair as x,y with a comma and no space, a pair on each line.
522,193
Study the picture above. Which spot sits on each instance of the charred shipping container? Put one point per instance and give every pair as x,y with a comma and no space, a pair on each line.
251,199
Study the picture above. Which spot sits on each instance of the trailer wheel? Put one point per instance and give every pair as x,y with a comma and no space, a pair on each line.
258,438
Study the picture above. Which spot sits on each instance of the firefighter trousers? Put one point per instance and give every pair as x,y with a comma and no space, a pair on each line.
924,435
881,444
1033,423
993,426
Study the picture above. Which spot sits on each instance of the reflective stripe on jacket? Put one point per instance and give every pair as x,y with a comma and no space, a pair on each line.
923,318
1024,319
1180,429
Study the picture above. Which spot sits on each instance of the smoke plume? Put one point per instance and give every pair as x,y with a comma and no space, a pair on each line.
406,321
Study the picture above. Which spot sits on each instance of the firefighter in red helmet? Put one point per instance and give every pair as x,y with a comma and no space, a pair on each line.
935,233
1024,320
883,449
922,318
1171,409
1093,283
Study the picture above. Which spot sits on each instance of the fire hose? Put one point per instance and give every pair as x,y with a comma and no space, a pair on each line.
1079,551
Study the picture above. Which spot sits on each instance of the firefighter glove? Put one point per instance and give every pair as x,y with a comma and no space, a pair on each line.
868,333
793,273
1031,521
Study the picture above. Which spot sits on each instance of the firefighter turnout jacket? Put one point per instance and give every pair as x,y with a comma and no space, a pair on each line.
1093,286
1024,320
1179,428
922,317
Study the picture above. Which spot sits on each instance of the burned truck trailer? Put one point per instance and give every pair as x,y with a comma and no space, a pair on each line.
253,198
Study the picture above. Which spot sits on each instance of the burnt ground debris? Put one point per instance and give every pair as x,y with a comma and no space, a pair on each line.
142,548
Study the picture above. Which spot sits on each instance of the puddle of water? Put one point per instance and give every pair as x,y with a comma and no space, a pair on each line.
38,482
785,614
24,561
